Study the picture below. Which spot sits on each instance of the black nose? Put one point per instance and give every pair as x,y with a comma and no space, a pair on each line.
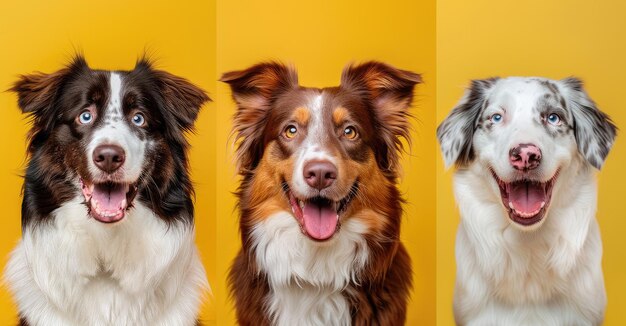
320,174
108,158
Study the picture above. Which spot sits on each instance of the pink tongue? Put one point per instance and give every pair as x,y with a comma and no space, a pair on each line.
320,222
109,198
527,197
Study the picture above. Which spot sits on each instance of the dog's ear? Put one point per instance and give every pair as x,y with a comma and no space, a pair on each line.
38,92
182,99
594,130
456,132
254,90
390,91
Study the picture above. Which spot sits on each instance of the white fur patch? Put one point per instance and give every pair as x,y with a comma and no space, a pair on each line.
549,274
306,278
116,131
311,148
78,271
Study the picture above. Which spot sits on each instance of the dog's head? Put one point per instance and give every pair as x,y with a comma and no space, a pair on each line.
524,131
112,134
320,153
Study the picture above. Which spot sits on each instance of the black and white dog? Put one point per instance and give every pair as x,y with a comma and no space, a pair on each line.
528,247
107,215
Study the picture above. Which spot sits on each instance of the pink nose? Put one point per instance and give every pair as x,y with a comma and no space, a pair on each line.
320,174
525,157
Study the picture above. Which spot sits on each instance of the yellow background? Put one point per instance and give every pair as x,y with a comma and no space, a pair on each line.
201,39
43,35
480,38
320,38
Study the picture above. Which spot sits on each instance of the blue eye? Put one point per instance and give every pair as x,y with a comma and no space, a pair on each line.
85,117
554,119
138,119
496,118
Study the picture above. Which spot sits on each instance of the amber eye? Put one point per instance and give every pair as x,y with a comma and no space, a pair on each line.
350,133
290,131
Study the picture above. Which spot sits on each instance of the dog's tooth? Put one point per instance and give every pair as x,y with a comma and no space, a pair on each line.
511,205
543,203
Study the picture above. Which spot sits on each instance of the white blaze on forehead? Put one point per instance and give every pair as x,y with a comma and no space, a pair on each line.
312,148
317,104
113,128
115,95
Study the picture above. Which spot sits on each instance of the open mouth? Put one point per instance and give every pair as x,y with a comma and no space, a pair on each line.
108,201
526,200
319,217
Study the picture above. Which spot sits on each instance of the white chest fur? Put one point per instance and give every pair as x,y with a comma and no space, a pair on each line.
77,271
306,278
551,276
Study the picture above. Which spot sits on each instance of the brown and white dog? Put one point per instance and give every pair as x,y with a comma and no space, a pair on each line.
107,215
319,204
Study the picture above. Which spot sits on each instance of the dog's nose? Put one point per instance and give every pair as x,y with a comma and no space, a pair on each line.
525,157
320,174
108,158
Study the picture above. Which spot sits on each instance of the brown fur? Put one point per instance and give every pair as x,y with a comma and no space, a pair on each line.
56,148
373,96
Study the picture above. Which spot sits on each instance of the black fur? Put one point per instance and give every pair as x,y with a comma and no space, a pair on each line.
56,152
594,130
456,132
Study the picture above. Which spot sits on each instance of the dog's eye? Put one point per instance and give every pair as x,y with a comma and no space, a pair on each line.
350,133
138,119
86,117
496,118
290,131
554,119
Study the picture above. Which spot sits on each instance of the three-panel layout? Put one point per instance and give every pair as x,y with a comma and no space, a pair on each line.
108,233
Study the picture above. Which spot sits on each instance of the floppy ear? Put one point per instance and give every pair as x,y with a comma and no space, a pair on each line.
456,132
390,91
37,92
594,130
254,90
183,99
